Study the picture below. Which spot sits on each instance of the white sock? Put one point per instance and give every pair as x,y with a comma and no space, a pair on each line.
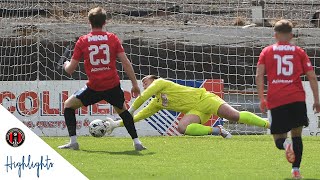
216,131
295,169
136,141
73,139
287,141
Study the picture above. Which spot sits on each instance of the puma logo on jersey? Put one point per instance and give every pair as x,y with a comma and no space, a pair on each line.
283,48
164,99
97,38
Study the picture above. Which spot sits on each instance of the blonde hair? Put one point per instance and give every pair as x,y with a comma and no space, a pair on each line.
283,26
150,77
97,17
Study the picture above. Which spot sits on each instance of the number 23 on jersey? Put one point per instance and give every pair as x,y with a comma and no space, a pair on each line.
95,50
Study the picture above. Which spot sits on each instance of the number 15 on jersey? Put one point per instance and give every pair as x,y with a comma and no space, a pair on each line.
284,64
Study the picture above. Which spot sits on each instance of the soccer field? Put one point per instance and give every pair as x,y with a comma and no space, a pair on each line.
242,157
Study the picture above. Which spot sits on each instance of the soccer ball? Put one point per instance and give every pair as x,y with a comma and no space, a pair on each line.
98,128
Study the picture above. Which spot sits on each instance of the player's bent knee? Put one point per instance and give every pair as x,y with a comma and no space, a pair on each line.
228,112
234,116
118,110
296,132
279,143
181,129
67,104
73,103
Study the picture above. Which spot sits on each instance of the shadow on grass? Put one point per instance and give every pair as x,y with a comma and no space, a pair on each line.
131,153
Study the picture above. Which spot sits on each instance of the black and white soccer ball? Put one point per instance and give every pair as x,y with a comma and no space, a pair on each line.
98,128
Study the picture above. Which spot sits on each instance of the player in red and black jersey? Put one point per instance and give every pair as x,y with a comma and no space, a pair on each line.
284,63
99,49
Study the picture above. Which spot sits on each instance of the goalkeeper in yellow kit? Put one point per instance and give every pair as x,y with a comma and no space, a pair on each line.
197,104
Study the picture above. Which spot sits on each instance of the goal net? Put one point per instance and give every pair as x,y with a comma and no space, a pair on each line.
208,43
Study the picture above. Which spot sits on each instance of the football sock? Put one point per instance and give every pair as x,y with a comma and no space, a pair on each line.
295,169
195,129
280,143
216,131
70,118
136,141
286,142
73,139
120,123
297,148
252,119
129,124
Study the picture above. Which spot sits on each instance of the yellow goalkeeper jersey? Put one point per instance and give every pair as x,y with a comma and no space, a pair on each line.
168,95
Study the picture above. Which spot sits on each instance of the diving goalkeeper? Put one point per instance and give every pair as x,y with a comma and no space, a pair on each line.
197,104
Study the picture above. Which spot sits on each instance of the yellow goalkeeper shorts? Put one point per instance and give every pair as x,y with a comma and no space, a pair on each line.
207,106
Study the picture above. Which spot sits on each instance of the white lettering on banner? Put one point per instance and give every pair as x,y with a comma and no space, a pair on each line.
98,38
28,103
283,48
284,81
39,105
61,124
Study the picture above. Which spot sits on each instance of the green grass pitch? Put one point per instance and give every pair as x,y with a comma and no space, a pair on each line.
242,157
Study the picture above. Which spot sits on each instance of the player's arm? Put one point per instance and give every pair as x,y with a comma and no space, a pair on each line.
260,80
127,66
70,66
312,77
148,111
261,69
155,87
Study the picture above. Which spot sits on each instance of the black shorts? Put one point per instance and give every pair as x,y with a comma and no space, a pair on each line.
286,117
114,96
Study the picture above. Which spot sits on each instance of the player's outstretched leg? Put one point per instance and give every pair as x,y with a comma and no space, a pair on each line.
195,129
71,104
252,119
129,124
190,125
70,118
228,112
113,124
283,143
297,149
223,132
